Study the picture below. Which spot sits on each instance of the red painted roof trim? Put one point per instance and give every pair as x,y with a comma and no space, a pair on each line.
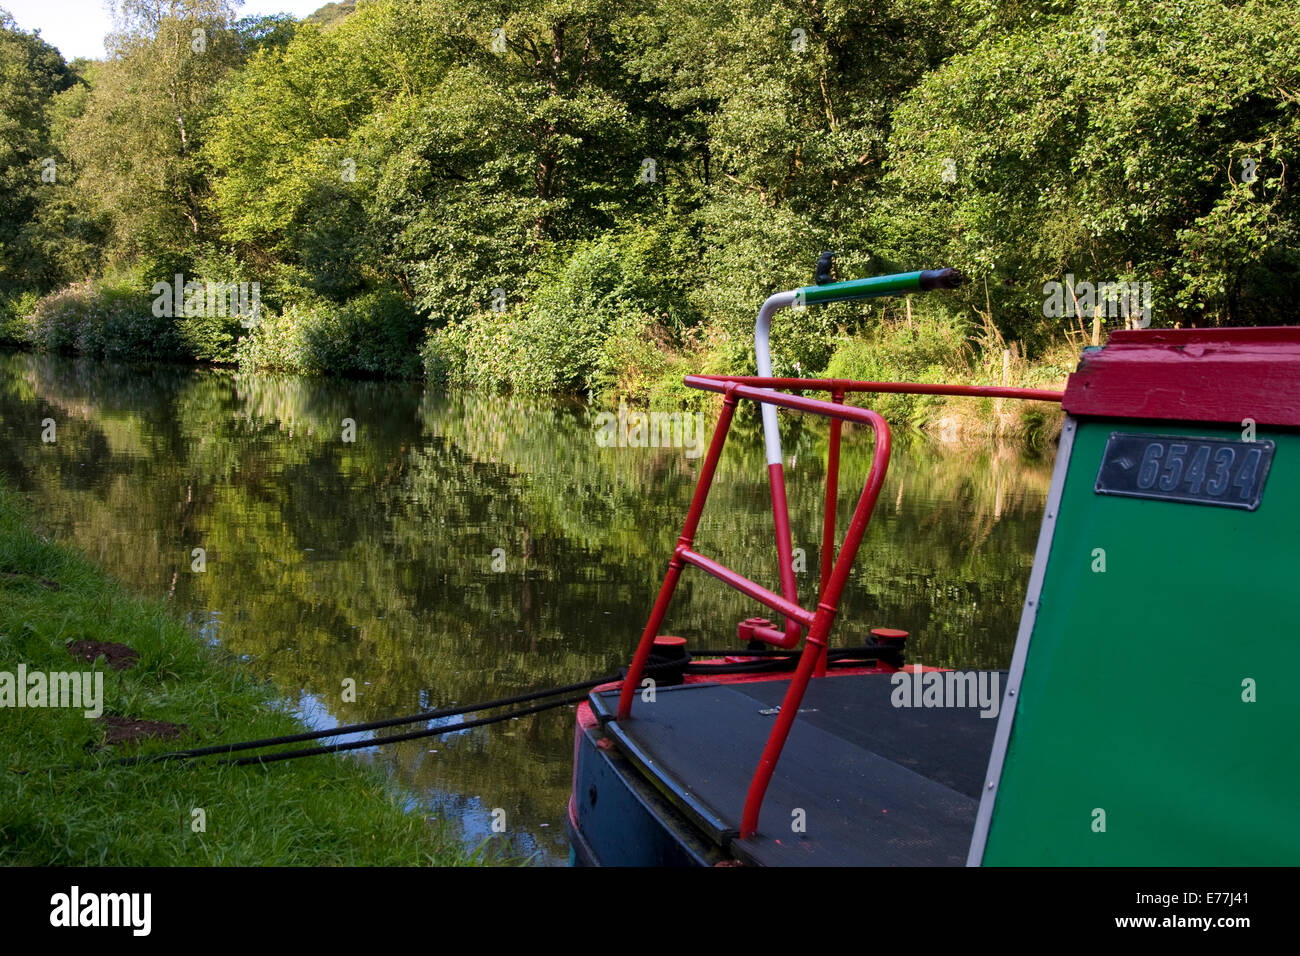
1208,375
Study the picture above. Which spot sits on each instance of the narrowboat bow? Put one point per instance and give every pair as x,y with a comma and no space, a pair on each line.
1146,718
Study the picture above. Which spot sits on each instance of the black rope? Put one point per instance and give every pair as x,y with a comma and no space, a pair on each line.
397,738
413,718
360,728
770,660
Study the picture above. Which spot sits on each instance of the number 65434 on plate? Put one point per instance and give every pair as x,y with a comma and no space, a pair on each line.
1201,471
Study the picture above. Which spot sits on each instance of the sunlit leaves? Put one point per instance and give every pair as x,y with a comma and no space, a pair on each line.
1115,163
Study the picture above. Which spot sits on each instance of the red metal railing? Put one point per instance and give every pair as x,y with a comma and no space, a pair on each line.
850,385
833,576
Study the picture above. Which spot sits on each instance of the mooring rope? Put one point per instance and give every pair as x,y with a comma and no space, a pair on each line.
397,738
772,659
346,729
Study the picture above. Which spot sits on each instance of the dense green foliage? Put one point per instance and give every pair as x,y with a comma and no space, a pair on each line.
1123,142
32,76
597,194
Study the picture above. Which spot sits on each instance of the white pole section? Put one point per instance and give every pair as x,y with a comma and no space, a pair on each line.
763,355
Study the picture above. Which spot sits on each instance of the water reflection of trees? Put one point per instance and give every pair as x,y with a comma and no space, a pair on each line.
374,559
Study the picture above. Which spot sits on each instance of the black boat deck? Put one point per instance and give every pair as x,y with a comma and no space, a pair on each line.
876,784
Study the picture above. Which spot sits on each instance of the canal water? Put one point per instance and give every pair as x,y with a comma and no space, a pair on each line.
450,547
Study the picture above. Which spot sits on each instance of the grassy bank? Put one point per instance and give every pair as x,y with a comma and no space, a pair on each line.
315,811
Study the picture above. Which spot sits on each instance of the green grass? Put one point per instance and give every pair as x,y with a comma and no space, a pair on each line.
316,811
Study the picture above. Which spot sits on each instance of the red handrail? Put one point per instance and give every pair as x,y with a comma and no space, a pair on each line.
818,622
828,516
833,576
838,387
906,388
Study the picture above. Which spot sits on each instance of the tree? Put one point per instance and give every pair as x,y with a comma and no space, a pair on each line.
439,146
1117,142
32,74
786,115
138,145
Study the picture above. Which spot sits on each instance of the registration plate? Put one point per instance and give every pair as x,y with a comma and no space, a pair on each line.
1201,471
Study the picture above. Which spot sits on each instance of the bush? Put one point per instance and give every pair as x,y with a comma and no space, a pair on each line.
14,327
931,348
210,337
635,353
471,352
523,349
110,317
373,335
606,319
